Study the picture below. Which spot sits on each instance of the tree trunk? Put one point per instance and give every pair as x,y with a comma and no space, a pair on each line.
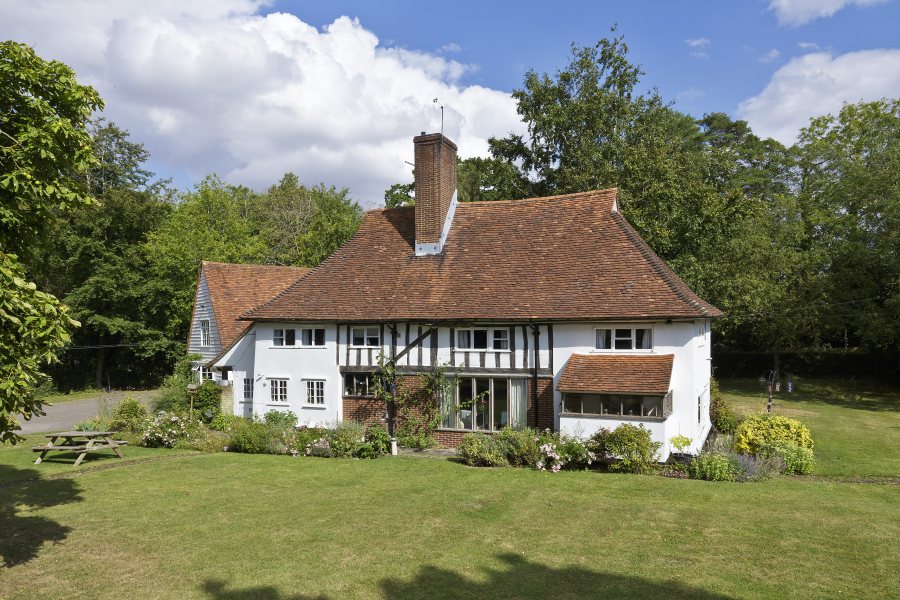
98,375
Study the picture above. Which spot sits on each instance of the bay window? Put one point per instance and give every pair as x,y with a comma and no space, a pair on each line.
615,405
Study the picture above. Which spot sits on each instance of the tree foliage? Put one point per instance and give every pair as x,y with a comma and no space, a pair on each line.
44,144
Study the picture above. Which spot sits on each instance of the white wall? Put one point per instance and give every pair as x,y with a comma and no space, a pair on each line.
690,373
296,364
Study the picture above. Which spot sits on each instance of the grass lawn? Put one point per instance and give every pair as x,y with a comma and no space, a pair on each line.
855,426
230,526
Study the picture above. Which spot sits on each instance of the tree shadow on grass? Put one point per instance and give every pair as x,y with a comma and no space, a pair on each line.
21,537
518,579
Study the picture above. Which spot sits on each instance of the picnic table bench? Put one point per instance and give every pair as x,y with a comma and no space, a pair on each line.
80,442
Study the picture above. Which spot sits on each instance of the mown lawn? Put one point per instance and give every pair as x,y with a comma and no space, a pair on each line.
855,425
228,526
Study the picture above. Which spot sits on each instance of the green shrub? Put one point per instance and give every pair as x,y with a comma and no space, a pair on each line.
759,430
573,453
482,450
130,415
208,401
796,460
95,424
311,441
629,448
714,466
346,438
167,429
223,422
721,416
722,442
680,443
173,395
522,447
280,419
377,443
256,437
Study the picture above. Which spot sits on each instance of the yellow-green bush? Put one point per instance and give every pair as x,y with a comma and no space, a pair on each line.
757,431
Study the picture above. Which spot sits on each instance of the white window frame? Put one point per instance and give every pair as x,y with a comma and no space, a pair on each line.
612,329
315,392
366,335
205,340
248,389
489,339
205,374
280,337
312,337
278,390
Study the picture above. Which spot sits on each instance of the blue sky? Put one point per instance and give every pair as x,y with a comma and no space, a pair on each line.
335,91
506,39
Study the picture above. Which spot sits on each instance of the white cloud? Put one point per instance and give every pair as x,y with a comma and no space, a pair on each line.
808,46
212,85
770,56
697,42
817,84
798,12
451,47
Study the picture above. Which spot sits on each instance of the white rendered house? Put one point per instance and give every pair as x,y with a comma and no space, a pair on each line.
552,310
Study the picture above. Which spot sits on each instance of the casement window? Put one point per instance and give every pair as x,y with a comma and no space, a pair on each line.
485,404
248,389
284,337
315,392
624,338
482,339
312,337
365,337
359,384
616,405
308,337
278,390
205,374
204,333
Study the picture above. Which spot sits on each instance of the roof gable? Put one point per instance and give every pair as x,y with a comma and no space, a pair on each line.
235,289
571,257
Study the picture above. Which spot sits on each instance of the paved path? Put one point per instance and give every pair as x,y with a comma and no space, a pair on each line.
64,415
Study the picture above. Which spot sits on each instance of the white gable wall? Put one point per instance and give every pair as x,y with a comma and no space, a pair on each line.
690,374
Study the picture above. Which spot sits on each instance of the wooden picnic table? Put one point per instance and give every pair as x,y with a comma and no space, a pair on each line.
80,442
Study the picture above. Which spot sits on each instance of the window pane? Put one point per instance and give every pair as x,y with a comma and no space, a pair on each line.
623,339
483,405
518,402
644,339
359,337
372,336
651,406
501,339
591,404
448,409
612,405
572,403
319,337
501,404
465,401
248,388
480,339
631,405
463,339
604,341
306,337
278,337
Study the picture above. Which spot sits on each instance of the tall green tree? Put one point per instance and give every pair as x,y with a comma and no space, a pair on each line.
44,145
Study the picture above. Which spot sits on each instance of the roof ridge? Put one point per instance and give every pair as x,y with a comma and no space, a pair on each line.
573,195
675,283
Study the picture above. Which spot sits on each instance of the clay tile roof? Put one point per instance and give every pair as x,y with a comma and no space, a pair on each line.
571,257
235,289
603,373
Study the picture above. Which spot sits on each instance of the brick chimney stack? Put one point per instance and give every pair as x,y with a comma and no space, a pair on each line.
435,158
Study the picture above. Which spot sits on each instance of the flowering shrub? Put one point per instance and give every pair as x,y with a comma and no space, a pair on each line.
482,450
167,429
521,446
223,422
551,460
318,447
627,448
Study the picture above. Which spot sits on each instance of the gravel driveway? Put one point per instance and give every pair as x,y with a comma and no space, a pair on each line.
64,415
